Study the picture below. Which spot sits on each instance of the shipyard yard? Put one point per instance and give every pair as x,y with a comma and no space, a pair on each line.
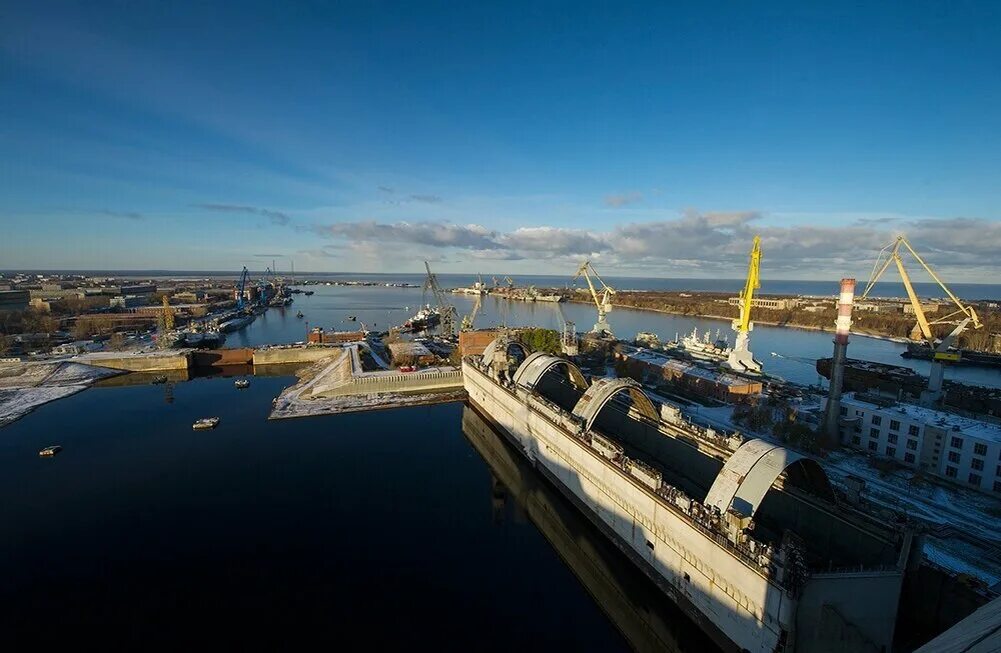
361,394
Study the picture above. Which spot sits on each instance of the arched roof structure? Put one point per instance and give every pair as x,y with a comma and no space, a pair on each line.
536,365
750,472
602,391
499,345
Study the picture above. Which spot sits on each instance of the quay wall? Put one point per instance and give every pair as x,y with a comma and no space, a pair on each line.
403,382
278,355
222,357
738,600
144,362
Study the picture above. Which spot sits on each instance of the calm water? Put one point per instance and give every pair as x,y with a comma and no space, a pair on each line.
377,530
380,307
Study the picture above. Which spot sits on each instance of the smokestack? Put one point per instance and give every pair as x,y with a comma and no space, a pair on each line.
842,327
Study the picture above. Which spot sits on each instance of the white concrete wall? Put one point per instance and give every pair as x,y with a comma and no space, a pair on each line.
736,598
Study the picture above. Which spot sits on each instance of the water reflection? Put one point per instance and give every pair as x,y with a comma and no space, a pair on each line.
644,615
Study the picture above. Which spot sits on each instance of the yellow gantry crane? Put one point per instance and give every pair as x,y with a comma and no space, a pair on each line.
963,316
603,303
740,357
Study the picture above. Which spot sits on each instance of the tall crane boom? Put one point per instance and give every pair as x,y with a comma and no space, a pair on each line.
446,310
963,316
741,358
743,323
241,285
603,302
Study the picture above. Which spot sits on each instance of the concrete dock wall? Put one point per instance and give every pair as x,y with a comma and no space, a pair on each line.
139,362
278,355
402,382
222,357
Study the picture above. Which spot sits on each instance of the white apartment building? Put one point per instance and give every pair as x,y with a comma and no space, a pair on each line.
959,449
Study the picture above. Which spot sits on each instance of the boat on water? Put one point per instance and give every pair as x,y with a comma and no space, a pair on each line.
205,423
424,319
50,451
352,318
158,380
308,292
968,357
242,383
236,323
299,315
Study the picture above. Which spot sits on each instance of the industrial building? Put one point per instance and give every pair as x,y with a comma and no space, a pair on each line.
780,304
411,353
959,449
646,365
128,301
14,300
319,336
145,289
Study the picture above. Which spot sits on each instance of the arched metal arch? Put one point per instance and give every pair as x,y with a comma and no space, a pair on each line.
602,390
749,473
494,348
535,367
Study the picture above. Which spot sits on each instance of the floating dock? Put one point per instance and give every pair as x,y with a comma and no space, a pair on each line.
745,536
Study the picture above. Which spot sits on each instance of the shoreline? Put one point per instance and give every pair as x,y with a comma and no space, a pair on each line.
802,327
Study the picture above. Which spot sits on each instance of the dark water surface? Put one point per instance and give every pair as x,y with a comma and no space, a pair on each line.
376,530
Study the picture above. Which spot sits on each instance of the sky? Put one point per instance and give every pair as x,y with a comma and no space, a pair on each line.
655,139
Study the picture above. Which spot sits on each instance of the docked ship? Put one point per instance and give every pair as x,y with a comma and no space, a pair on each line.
969,357
236,323
424,319
202,339
478,288
745,536
704,347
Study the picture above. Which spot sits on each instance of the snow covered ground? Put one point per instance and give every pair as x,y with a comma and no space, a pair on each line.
25,386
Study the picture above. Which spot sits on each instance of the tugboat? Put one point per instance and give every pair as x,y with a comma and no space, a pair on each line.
50,451
205,423
241,384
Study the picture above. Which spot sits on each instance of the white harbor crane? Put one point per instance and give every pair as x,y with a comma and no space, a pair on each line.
602,303
963,316
446,311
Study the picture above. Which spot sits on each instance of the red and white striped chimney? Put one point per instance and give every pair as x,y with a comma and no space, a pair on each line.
842,327
846,300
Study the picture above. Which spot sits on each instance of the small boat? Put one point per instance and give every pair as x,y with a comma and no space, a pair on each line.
242,383
50,451
308,292
299,315
159,380
205,423
352,318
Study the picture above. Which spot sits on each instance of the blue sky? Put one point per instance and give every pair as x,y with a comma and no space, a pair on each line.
654,138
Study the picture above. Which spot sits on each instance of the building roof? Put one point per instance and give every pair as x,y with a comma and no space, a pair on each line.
932,417
408,348
686,367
